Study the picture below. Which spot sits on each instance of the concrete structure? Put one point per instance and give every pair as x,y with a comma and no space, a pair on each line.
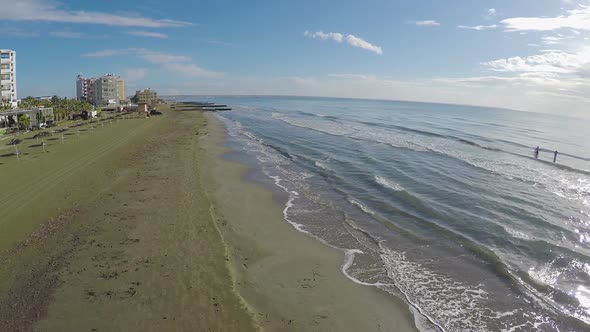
100,90
146,96
8,76
38,116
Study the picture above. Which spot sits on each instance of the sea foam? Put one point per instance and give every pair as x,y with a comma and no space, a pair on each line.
389,184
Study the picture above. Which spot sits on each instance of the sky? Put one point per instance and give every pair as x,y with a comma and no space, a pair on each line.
531,55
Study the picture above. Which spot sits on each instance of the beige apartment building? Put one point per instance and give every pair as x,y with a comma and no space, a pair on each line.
146,96
101,91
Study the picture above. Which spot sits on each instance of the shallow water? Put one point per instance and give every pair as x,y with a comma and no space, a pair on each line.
442,205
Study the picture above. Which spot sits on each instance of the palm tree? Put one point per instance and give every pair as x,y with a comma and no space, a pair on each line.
5,105
24,122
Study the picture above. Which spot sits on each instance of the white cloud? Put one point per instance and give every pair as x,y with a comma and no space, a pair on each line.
338,37
354,76
106,53
351,40
218,42
428,23
103,53
52,11
148,55
133,75
552,40
190,70
478,27
66,34
490,14
359,42
15,32
553,61
178,64
149,34
577,19
156,57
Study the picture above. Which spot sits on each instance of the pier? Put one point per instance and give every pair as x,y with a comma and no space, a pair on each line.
201,106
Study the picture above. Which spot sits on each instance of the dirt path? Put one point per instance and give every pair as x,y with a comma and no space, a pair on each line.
143,255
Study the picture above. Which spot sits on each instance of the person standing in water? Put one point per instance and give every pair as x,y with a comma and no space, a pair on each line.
555,156
537,152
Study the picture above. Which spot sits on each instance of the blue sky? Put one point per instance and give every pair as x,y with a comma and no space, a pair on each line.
528,54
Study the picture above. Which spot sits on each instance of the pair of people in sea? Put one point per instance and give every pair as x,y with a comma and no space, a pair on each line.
554,154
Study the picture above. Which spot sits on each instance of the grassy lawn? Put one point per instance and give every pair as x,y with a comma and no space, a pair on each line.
119,234
38,185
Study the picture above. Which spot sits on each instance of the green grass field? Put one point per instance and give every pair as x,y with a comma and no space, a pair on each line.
37,186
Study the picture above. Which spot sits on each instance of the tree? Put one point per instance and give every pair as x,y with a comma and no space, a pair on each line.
5,105
24,122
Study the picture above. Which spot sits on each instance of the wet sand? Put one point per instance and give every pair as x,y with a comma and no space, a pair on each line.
291,281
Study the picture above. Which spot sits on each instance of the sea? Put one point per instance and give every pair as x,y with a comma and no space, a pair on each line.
444,206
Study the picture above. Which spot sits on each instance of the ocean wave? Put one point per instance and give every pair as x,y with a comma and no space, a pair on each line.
461,307
315,115
388,183
452,305
361,206
527,172
323,166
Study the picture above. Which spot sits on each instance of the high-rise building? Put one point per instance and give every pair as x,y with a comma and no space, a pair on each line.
8,76
85,88
81,88
101,90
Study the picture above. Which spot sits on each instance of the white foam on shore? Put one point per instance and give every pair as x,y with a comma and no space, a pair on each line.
418,313
292,196
348,260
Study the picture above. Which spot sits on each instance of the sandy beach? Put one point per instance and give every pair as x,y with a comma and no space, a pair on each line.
291,280
167,235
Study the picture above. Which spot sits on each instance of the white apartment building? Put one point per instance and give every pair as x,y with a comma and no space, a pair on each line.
8,76
81,87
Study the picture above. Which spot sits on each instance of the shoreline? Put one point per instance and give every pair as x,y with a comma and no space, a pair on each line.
292,280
